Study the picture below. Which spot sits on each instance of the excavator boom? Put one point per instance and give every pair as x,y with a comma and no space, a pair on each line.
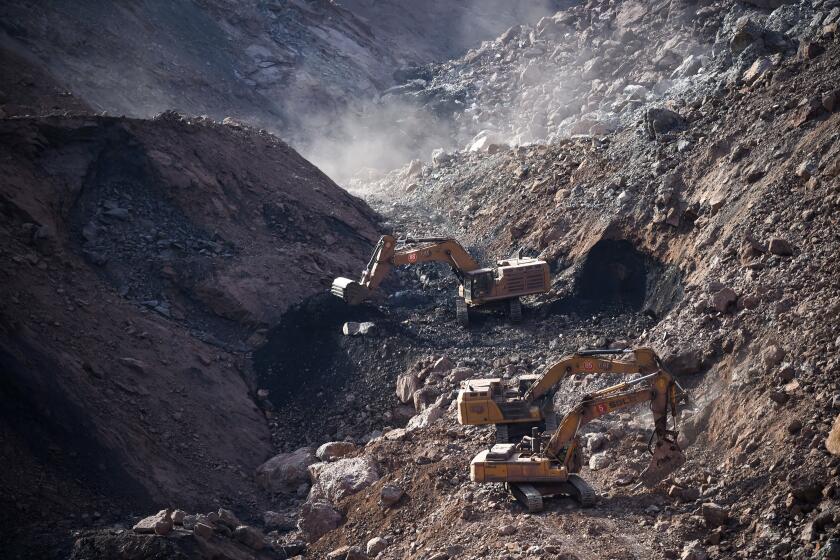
488,401
536,468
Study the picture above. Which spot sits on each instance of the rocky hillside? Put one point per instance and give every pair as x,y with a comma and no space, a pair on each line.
291,67
144,259
172,347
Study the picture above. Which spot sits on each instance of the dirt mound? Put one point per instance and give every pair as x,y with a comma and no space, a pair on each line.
729,182
144,259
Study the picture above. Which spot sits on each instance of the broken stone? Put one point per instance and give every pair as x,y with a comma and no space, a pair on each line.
317,518
389,495
772,355
661,121
599,461
163,528
808,50
759,68
375,546
806,169
251,537
714,514
780,247
442,365
686,362
724,299
829,100
407,385
149,524
507,530
358,329
203,530
425,418
335,450
746,33
424,398
280,521
228,518
461,374
596,441
339,553
178,516
342,478
283,473
832,442
440,157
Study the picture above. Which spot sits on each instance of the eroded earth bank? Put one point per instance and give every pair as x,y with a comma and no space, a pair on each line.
169,342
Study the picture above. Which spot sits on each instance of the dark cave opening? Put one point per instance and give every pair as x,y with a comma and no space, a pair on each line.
616,277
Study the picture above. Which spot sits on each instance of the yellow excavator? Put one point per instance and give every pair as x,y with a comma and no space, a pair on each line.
545,465
516,410
507,282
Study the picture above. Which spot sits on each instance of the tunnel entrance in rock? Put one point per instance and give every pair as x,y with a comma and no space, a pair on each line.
615,277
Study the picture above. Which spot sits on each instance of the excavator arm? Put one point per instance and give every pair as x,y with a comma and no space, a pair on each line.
481,402
644,361
660,390
389,253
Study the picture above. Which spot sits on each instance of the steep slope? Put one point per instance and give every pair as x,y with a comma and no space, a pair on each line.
277,64
144,258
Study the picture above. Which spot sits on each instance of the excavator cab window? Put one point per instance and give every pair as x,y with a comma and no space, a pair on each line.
481,284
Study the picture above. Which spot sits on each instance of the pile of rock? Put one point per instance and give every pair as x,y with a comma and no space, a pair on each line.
170,533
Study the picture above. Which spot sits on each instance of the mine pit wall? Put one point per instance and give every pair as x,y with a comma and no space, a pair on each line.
108,379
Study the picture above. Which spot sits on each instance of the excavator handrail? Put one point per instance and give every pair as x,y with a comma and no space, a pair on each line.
412,240
604,351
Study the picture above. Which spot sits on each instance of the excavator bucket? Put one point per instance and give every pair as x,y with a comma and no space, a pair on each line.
350,291
667,457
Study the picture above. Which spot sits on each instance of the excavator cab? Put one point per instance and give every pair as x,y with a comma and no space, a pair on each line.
479,284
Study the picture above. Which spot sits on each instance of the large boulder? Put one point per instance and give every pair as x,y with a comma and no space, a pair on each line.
285,472
424,398
425,418
317,518
333,450
407,384
334,481
659,120
158,524
685,362
745,34
714,514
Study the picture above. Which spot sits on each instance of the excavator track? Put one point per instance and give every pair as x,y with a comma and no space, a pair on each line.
515,307
527,495
502,433
462,311
582,491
